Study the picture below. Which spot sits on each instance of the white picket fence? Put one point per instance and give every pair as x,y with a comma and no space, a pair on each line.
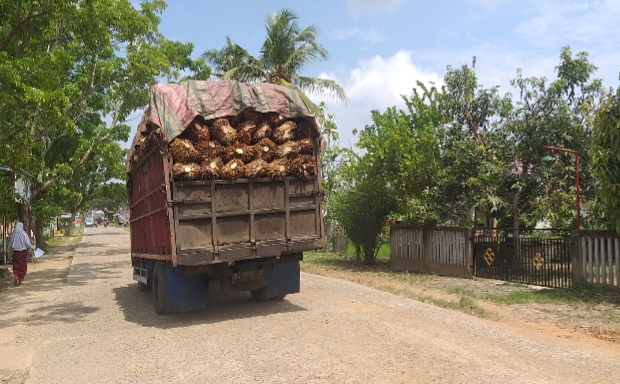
407,243
600,258
445,251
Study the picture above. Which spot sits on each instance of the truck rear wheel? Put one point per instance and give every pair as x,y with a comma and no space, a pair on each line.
159,289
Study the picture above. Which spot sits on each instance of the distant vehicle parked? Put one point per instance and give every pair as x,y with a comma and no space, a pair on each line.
89,222
120,220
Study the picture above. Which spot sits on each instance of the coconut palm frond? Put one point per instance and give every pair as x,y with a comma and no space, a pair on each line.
302,56
229,57
282,30
251,71
321,86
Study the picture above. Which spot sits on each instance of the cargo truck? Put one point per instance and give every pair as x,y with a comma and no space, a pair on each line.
193,237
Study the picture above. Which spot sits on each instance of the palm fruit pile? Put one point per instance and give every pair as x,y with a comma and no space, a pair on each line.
251,145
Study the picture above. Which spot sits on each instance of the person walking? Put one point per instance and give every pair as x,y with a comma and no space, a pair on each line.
19,242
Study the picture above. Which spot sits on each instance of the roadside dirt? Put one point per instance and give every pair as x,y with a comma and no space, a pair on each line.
588,324
45,275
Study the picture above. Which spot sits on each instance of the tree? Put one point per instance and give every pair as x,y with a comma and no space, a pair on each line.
72,72
560,115
331,178
472,148
438,154
363,206
110,196
286,51
104,165
403,147
605,154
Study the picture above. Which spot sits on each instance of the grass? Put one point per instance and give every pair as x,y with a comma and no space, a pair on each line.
379,275
384,251
579,293
62,240
460,294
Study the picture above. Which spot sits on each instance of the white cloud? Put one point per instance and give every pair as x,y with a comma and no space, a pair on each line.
372,6
371,36
376,83
382,81
559,22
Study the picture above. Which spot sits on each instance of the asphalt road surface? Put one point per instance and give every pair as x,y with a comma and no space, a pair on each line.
98,328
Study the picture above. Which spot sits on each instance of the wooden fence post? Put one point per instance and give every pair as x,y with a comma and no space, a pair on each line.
577,262
428,245
469,250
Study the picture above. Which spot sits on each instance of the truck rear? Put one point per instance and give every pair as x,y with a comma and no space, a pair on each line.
225,192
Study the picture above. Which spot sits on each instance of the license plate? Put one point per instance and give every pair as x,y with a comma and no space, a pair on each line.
242,276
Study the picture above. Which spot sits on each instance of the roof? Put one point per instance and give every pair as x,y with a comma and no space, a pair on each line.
172,107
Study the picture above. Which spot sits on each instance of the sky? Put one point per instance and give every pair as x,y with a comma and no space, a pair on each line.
379,49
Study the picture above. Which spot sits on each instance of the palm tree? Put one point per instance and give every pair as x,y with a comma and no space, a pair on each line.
285,52
227,58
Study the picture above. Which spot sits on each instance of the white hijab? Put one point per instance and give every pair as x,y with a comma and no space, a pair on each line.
19,240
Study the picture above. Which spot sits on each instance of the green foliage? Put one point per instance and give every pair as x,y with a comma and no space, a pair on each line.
363,205
104,165
331,175
463,146
560,115
403,145
8,208
605,154
442,153
112,196
71,72
473,147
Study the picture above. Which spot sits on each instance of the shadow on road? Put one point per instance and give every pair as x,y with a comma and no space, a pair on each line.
88,273
138,308
71,312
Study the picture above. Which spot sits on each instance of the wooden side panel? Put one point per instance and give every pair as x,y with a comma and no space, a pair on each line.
303,224
246,217
232,198
150,232
233,230
270,226
195,234
268,195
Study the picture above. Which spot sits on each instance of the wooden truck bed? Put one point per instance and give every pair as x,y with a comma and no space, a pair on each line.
221,220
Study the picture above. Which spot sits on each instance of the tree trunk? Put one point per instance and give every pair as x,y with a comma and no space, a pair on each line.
515,210
475,218
24,216
70,224
369,253
38,234
516,223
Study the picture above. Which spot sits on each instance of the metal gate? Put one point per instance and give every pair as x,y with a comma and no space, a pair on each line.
535,257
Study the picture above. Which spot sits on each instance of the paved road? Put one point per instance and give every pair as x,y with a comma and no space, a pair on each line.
98,328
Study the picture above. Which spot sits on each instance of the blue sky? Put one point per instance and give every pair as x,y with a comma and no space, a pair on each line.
380,48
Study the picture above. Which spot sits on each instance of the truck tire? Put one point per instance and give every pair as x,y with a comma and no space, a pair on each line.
159,289
260,294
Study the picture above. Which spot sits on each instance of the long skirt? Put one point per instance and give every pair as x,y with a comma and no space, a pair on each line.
20,264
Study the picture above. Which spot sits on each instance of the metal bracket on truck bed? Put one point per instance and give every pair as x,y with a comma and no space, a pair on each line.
140,274
254,248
